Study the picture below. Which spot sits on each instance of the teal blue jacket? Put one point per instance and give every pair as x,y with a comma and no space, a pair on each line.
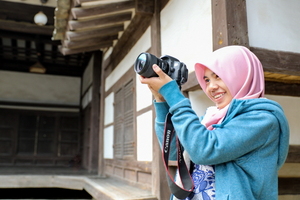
247,148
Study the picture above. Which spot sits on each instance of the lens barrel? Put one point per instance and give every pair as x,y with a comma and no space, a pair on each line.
143,65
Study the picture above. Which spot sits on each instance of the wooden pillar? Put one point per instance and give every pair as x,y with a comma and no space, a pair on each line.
95,112
101,163
229,21
159,182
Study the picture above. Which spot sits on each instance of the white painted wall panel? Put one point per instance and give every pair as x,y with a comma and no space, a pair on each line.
200,102
108,142
187,30
274,24
144,137
143,95
33,88
109,109
291,107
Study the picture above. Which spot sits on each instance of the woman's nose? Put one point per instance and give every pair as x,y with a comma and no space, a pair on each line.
213,85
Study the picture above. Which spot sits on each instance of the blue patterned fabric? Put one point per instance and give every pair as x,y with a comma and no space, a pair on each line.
204,180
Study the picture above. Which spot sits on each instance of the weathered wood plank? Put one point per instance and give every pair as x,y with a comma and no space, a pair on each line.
24,27
116,18
294,154
158,171
78,12
129,164
288,186
89,42
95,113
279,88
278,61
66,51
109,30
229,19
144,6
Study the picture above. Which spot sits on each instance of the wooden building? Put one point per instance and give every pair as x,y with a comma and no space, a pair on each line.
72,110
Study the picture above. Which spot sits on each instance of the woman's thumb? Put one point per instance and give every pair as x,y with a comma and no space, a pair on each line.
157,69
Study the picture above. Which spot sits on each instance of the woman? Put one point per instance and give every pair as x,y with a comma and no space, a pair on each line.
239,144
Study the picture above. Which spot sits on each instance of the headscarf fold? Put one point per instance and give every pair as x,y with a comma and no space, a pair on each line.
240,70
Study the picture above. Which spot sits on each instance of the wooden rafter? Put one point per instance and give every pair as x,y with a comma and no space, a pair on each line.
94,33
67,51
100,21
101,9
25,27
89,41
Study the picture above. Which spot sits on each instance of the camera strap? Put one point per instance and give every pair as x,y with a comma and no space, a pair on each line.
180,192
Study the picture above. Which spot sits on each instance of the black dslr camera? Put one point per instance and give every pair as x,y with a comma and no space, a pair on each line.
169,65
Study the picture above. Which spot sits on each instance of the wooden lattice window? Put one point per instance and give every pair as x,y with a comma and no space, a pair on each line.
123,120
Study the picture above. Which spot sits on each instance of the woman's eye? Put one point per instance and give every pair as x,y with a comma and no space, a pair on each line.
206,80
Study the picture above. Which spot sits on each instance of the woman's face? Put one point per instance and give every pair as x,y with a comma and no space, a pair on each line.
216,89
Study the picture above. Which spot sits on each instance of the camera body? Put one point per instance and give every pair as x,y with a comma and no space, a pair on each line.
169,65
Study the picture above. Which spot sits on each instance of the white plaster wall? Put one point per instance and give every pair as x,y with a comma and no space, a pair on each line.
144,137
291,107
274,24
186,28
109,109
36,88
108,142
142,45
143,94
200,102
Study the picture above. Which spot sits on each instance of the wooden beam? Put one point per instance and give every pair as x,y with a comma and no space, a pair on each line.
79,2
144,6
102,9
95,113
229,19
294,154
66,51
108,30
159,180
288,186
131,35
278,61
104,20
88,42
24,27
279,88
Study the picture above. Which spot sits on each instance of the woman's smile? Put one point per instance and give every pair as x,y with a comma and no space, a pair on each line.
216,89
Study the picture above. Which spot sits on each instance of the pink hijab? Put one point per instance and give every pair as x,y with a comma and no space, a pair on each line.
239,69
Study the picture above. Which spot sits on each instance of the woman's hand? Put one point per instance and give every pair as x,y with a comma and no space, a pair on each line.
155,83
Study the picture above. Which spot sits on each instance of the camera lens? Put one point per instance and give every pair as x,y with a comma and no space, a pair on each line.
140,62
143,65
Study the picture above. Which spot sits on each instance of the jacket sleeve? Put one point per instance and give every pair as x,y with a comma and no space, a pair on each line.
241,135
